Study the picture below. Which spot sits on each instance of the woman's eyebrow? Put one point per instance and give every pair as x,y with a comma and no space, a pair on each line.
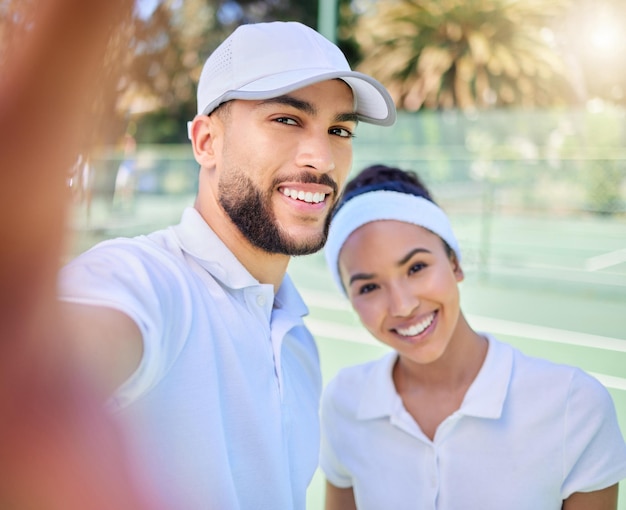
408,256
404,260
360,276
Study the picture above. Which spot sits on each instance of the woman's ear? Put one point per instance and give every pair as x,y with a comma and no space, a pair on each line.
456,267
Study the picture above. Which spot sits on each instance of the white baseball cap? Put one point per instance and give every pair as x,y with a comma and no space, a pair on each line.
265,60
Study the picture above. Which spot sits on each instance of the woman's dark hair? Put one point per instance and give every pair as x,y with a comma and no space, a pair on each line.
385,178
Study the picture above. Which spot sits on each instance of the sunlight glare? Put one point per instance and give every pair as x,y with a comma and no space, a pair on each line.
605,36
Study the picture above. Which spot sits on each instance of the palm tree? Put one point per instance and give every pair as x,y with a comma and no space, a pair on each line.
464,53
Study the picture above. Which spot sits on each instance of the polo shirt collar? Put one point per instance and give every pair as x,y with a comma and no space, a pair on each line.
486,395
484,398
289,297
378,396
197,238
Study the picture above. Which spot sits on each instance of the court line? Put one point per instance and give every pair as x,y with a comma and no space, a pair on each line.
357,334
345,333
546,334
610,381
328,301
605,260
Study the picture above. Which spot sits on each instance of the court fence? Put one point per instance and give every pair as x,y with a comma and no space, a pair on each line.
535,195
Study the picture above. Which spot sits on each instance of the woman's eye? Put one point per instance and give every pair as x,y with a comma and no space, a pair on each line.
416,267
342,132
367,288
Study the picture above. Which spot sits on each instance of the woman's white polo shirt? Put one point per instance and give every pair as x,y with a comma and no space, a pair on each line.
528,434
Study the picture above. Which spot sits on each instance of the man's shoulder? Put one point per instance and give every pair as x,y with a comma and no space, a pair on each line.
147,262
156,245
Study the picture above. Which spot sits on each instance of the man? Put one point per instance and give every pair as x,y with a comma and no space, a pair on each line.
197,328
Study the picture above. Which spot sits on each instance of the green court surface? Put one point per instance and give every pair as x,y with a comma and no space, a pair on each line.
553,287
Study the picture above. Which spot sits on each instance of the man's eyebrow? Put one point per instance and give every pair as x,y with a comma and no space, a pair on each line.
288,100
347,117
308,108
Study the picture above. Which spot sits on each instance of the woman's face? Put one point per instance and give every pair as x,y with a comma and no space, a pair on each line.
404,287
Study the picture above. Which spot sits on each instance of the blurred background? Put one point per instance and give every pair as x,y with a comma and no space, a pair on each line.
506,108
512,111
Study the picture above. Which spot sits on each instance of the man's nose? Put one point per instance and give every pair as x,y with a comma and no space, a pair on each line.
316,152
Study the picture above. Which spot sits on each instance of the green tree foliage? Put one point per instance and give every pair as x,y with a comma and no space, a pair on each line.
169,49
464,53
154,60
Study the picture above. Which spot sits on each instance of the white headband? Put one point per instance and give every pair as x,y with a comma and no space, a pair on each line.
384,205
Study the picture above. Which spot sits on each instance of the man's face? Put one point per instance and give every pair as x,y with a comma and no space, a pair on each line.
284,161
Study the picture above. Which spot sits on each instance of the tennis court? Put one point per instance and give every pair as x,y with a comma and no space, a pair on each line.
549,282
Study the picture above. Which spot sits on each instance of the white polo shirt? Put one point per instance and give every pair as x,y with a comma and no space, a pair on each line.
222,412
529,433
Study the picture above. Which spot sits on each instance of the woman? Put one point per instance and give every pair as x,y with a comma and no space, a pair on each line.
452,418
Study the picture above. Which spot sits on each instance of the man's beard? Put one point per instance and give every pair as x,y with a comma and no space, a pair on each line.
250,210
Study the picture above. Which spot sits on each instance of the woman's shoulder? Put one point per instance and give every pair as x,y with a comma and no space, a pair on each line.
552,377
349,384
354,376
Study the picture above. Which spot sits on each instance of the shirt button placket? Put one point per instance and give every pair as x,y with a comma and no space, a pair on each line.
433,481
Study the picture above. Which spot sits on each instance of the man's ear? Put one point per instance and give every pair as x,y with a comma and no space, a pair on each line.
202,131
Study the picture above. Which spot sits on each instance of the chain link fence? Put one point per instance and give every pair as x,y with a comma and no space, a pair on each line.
540,196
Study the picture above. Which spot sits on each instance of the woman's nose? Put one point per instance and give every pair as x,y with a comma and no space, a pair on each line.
402,301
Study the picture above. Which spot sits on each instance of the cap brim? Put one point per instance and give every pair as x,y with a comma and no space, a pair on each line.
374,105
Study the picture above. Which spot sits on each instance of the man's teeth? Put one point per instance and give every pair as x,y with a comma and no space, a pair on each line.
311,198
417,328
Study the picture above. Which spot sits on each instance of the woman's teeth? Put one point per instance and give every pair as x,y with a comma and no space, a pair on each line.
417,328
311,198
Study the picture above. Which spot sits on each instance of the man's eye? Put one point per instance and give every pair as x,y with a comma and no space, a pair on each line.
287,120
342,132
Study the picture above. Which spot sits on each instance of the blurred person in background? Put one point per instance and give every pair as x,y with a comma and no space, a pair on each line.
195,331
451,418
126,177
80,181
